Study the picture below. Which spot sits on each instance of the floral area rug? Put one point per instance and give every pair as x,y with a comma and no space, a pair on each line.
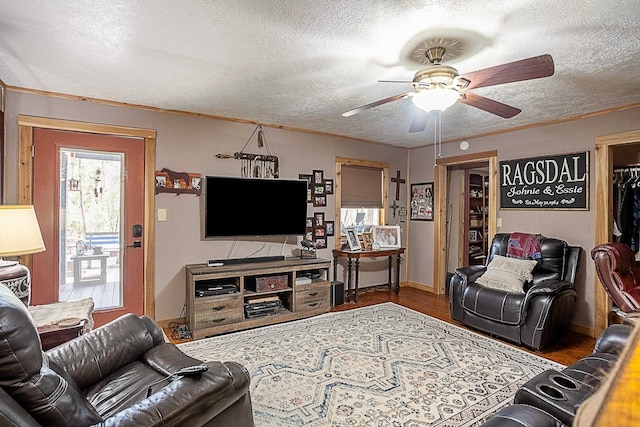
383,365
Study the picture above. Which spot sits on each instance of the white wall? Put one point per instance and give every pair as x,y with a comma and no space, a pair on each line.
189,143
576,227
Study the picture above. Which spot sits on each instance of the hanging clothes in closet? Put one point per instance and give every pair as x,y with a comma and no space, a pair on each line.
626,201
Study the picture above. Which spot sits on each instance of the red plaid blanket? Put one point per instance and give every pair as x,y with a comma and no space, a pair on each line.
524,245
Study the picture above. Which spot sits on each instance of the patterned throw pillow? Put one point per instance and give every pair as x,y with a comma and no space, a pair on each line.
507,274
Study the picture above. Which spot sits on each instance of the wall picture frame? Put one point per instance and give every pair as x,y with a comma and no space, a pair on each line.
318,219
309,179
328,186
330,225
319,201
318,176
422,201
387,236
352,239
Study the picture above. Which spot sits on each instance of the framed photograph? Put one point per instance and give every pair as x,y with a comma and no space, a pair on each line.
319,232
309,223
309,179
306,177
387,236
330,227
318,190
368,240
321,243
318,219
318,177
309,235
422,201
328,186
352,239
319,201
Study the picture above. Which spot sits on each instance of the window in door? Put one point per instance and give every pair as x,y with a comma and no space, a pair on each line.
90,226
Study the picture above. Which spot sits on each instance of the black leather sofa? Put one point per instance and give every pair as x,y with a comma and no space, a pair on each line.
121,374
535,317
551,398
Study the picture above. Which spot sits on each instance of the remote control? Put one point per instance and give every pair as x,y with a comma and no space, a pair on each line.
192,370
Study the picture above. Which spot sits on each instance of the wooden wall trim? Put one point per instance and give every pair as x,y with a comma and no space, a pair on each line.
292,129
26,124
186,113
604,146
536,125
440,220
75,126
441,188
420,286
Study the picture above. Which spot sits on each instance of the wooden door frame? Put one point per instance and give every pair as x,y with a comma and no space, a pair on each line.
440,221
26,124
604,146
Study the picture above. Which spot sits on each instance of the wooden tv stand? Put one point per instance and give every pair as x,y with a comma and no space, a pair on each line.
217,314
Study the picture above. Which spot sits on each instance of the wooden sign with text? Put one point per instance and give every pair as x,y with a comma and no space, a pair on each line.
550,182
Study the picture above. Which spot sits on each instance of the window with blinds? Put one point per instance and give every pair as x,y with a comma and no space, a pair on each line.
361,187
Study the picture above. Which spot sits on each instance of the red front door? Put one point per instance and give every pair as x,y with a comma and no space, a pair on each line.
88,195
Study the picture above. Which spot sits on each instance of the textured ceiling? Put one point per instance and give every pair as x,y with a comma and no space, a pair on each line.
300,64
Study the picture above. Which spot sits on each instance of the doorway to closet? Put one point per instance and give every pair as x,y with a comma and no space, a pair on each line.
612,152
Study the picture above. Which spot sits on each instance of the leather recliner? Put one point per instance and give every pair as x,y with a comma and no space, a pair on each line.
620,276
533,318
121,374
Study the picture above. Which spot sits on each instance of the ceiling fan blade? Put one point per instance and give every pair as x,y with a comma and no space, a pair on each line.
489,105
374,104
525,69
419,122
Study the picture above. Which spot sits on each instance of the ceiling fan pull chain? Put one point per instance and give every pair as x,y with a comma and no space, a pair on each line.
439,117
435,140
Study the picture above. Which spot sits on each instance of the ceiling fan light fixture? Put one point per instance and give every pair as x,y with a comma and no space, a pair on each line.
438,99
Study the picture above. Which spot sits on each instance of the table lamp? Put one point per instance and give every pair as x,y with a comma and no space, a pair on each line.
19,235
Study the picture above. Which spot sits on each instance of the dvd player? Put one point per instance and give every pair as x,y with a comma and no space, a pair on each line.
211,290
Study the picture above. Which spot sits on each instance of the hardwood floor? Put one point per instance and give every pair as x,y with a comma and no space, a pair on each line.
570,348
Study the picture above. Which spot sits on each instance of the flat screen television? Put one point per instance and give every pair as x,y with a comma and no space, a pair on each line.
254,207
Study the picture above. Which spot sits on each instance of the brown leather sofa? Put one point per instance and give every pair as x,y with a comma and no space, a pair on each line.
121,374
533,318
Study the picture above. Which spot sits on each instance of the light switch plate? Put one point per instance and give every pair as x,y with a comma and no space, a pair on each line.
162,214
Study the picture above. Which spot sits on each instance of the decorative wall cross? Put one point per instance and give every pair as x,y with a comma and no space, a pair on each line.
398,181
394,206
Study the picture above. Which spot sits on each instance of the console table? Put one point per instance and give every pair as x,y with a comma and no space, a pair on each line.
350,255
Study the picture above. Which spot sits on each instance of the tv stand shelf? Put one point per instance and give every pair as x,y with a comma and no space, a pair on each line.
217,314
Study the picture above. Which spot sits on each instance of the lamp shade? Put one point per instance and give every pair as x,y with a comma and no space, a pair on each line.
19,231
435,99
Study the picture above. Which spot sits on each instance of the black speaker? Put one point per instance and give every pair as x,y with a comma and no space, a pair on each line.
337,293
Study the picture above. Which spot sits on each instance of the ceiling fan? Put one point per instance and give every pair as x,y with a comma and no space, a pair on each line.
439,86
